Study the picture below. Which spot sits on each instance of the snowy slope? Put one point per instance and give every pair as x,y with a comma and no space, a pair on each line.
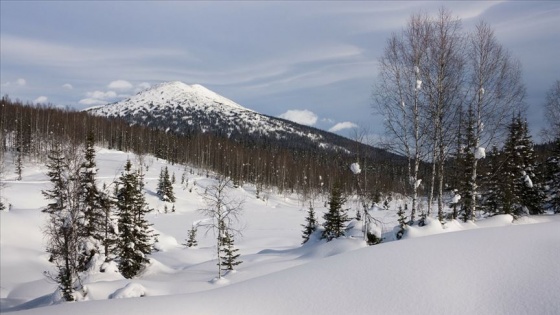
492,271
183,108
487,267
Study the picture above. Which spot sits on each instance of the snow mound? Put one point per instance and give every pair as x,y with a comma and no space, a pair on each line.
129,291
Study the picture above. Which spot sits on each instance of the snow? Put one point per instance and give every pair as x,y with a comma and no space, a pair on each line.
528,181
418,84
355,168
455,198
175,95
480,153
484,267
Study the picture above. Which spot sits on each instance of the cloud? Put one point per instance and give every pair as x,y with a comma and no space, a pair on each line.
40,99
121,85
304,117
142,86
67,86
91,102
101,95
98,98
21,82
342,126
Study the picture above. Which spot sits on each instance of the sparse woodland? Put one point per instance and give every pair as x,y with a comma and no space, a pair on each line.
460,148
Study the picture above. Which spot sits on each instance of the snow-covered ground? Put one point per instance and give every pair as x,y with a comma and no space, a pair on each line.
492,266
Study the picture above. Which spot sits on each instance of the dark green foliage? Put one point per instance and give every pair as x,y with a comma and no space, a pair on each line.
136,239
230,257
64,227
310,225
467,180
513,186
553,179
108,227
165,186
191,240
93,215
336,217
493,185
402,221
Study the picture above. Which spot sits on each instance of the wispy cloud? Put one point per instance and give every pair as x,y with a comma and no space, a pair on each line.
343,125
304,117
121,85
40,100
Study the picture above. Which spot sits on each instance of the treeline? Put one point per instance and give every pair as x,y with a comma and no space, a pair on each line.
30,131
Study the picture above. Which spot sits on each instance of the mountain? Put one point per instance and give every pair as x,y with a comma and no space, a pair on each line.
186,109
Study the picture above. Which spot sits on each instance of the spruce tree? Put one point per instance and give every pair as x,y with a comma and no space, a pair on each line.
310,225
109,225
520,192
64,238
402,221
230,257
165,186
553,179
191,240
136,239
90,198
492,190
336,217
468,183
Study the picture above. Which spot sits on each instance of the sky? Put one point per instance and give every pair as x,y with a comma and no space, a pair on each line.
314,62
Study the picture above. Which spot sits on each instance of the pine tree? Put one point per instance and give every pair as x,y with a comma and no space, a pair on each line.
336,217
230,258
65,242
90,198
165,186
402,221
491,197
519,190
310,225
468,183
553,179
109,226
191,240
136,239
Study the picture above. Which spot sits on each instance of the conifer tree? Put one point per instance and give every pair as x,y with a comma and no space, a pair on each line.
63,231
491,201
553,179
519,191
336,217
468,184
109,227
191,240
402,221
136,238
165,186
310,225
229,252
90,198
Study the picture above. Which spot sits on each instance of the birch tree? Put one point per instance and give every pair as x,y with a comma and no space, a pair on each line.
495,90
399,98
222,212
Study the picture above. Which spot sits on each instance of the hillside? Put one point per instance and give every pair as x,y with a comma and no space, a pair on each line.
187,109
493,266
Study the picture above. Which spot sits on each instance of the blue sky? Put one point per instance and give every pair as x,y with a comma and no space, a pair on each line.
314,62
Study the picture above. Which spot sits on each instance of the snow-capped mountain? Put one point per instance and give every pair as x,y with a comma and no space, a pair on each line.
184,109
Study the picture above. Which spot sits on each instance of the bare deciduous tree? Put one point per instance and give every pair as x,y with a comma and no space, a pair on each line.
222,212
495,90
552,112
399,98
